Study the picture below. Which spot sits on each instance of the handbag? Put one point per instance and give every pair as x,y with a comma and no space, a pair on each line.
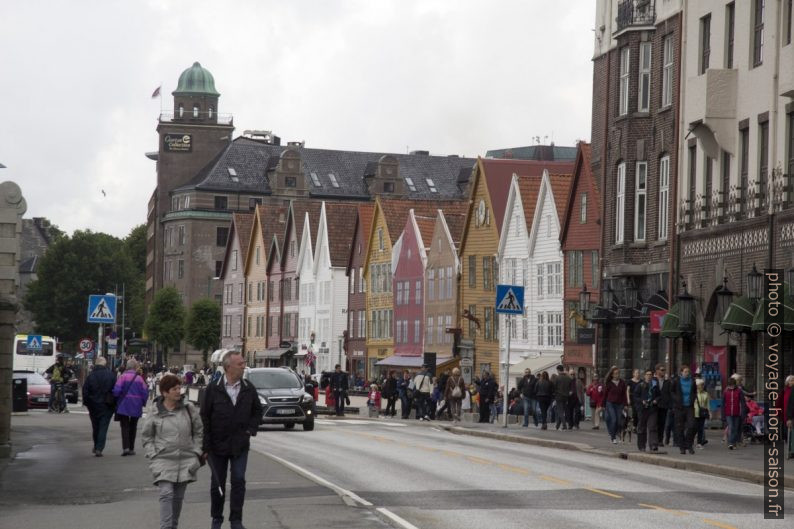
456,391
116,416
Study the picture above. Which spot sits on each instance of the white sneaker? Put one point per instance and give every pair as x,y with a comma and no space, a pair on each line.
614,441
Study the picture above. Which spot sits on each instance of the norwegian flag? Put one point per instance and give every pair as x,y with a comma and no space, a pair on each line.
310,358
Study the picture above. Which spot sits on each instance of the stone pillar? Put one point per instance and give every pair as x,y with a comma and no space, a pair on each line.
12,207
602,352
626,349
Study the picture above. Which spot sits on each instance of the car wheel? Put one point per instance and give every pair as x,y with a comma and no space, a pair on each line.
308,425
289,426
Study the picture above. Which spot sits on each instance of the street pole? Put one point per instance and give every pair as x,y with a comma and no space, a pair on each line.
99,340
123,314
507,371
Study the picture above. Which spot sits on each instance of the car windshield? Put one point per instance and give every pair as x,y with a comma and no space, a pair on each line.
34,379
276,379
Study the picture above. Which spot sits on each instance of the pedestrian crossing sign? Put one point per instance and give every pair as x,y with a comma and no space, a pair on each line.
34,342
102,308
509,299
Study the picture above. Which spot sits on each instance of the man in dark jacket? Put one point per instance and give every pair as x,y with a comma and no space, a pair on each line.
562,394
683,393
389,392
664,406
339,387
231,412
646,398
488,392
526,386
97,391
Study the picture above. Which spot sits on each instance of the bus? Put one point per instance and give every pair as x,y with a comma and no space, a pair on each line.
38,361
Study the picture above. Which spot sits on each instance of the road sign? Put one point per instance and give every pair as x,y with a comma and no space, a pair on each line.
509,299
102,308
34,342
86,344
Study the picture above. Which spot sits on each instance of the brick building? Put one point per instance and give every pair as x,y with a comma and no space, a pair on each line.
635,156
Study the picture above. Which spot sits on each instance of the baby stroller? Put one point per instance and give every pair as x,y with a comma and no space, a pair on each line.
753,427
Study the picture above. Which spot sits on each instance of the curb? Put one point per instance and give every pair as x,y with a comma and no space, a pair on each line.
752,476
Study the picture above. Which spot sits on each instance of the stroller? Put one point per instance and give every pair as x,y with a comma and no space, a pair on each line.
753,427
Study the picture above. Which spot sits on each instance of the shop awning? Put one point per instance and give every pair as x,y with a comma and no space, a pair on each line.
536,364
739,316
670,326
409,361
788,314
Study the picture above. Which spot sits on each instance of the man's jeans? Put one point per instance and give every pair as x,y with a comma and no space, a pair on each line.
220,464
614,418
734,430
405,406
100,421
529,405
339,399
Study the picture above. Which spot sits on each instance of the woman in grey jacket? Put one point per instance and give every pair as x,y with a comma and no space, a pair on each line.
172,435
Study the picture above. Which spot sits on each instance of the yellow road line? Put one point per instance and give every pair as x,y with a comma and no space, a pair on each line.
605,493
555,480
717,523
450,453
511,468
481,461
658,508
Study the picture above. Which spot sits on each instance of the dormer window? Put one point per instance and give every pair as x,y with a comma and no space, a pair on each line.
195,111
289,181
315,179
431,185
233,174
181,111
388,187
332,178
410,183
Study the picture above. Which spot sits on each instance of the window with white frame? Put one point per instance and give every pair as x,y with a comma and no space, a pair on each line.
448,324
667,71
449,282
399,299
554,328
558,279
352,280
418,296
431,279
524,272
623,98
620,203
540,272
640,201
440,328
664,193
644,102
441,276
417,330
550,279
583,209
541,328
429,330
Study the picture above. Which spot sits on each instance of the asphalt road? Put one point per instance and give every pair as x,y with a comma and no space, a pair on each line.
427,478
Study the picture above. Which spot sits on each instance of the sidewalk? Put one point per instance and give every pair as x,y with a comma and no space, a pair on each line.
53,467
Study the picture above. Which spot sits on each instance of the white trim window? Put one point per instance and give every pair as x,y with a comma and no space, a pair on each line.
640,201
540,270
664,193
667,71
429,331
623,99
620,204
431,279
541,327
644,102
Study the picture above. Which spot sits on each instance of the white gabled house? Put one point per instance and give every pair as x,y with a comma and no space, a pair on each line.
307,312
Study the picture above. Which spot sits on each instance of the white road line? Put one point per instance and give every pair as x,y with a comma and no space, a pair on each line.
404,524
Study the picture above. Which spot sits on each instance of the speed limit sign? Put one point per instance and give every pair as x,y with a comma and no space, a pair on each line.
86,345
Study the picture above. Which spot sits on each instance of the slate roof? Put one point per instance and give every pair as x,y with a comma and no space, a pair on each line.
499,173
456,223
29,265
251,160
426,225
535,152
340,220
395,211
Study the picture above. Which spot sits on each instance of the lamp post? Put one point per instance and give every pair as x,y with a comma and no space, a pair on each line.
754,284
630,294
584,301
686,311
724,296
607,296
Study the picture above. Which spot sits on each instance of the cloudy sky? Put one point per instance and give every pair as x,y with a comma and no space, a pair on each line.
448,76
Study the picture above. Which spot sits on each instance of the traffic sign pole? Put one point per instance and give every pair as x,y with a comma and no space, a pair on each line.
507,371
99,340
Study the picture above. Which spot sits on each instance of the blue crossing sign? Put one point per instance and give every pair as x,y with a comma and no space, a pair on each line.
509,299
102,308
34,342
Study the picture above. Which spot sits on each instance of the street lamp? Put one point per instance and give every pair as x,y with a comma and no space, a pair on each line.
686,311
754,284
791,282
584,300
724,296
607,296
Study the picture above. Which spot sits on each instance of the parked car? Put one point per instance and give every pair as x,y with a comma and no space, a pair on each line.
38,388
283,396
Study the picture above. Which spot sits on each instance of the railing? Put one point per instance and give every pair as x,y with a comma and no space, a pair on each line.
635,13
187,117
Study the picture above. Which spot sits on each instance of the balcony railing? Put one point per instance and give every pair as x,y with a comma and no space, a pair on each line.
635,13
187,117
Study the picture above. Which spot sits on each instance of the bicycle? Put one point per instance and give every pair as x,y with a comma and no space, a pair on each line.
58,399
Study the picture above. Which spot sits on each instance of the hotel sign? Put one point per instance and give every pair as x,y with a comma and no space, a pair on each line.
178,143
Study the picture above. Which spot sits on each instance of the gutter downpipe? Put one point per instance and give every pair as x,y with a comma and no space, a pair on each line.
604,151
675,248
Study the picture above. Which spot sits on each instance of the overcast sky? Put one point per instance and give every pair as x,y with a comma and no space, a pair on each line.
448,76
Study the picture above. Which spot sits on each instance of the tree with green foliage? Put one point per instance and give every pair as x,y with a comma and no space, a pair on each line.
135,246
165,323
72,269
203,328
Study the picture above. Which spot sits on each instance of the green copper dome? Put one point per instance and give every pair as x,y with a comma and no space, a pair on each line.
196,80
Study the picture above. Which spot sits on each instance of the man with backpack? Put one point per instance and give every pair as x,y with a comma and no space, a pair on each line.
58,374
526,388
